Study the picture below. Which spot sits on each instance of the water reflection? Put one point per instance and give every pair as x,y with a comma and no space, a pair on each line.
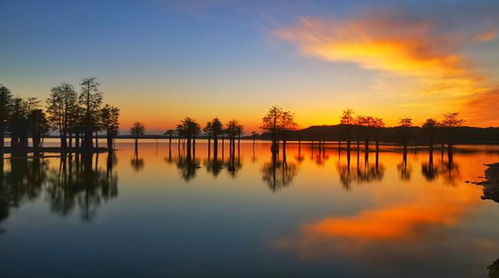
361,171
73,182
406,215
136,162
448,170
278,173
23,183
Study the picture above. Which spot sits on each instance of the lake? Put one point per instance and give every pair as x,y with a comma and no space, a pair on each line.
317,212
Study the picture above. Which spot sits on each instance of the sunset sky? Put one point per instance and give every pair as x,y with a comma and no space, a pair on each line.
161,60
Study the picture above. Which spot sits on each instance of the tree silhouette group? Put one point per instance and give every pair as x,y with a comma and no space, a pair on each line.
77,118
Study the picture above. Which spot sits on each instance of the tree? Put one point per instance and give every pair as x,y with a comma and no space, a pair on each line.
271,124
136,131
169,133
347,120
405,124
366,123
19,126
429,128
90,100
207,132
38,128
216,129
287,123
109,119
379,124
61,106
190,129
233,129
5,109
450,122
278,123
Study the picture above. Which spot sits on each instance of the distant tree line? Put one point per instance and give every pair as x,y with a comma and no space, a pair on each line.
356,129
75,117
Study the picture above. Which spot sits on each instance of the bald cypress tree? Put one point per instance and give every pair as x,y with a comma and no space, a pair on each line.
5,108
90,99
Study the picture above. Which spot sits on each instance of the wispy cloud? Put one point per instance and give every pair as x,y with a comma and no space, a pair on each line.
486,36
399,44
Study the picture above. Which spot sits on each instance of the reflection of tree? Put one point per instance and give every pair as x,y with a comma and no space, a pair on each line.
278,174
214,166
233,164
188,167
429,170
23,183
359,173
136,162
79,183
450,172
404,168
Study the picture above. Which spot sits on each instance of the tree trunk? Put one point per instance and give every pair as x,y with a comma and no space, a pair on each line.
215,144
64,143
109,143
2,138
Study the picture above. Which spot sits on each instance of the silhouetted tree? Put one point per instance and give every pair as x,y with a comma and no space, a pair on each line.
216,130
38,128
379,124
271,123
61,106
207,132
90,100
170,134
367,123
5,109
233,130
110,123
19,126
405,125
287,124
347,121
430,127
137,131
190,129
449,122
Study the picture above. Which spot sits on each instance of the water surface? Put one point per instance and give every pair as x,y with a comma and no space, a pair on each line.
313,213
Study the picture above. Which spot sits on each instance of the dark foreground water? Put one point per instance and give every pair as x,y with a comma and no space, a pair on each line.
319,213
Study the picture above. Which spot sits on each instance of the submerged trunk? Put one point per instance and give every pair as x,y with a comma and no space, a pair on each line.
2,138
110,143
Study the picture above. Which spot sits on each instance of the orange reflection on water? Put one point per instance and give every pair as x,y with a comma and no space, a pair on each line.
402,213
400,221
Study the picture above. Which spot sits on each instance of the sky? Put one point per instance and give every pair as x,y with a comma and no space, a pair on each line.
162,60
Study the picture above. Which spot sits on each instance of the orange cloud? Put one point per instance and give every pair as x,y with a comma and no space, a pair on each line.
484,107
403,46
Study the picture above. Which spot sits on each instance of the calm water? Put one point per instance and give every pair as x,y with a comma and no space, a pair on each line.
314,215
